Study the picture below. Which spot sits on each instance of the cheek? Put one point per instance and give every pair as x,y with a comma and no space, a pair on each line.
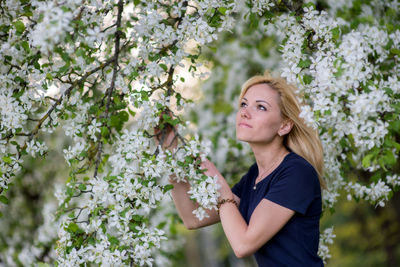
271,123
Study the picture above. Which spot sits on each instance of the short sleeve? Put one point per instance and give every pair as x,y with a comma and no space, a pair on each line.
238,187
295,187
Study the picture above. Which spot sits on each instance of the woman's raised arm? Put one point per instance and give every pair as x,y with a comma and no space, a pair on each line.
184,205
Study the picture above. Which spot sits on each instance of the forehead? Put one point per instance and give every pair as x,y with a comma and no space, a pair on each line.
261,91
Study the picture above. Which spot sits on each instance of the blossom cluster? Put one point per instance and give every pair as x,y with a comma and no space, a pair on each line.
376,193
325,239
116,206
112,210
346,91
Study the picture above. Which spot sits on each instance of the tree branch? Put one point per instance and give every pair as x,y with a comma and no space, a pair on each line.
114,77
35,131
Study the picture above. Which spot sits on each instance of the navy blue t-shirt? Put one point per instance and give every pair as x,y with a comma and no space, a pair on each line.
293,184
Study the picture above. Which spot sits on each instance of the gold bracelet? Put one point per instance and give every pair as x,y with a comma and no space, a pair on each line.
223,201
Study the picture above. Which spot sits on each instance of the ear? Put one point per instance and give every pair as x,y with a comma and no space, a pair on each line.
286,127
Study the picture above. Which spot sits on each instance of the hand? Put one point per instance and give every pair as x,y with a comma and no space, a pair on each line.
225,191
167,137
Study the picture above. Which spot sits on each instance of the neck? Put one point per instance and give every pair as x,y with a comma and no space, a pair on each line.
266,154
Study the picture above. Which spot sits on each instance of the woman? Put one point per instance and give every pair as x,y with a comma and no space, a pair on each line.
273,211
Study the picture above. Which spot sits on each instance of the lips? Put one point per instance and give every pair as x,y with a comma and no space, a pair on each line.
245,125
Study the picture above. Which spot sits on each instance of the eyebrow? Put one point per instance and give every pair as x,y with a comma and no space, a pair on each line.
263,101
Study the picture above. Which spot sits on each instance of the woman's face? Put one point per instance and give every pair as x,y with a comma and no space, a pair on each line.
259,117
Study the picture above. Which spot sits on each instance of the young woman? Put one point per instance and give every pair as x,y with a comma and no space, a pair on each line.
273,212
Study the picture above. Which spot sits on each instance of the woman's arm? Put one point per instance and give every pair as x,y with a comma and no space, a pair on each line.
184,205
267,219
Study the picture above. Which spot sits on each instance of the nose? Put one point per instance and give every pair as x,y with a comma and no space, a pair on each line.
244,113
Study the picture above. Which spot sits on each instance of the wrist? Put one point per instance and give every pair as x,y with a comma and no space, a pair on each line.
225,201
225,195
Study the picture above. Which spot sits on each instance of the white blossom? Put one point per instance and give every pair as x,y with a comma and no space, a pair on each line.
325,239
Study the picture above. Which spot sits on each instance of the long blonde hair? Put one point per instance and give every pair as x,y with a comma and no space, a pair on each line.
302,139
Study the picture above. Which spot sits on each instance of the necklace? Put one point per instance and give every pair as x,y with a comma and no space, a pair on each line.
265,172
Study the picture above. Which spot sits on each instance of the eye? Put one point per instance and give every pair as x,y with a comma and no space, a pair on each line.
261,107
243,104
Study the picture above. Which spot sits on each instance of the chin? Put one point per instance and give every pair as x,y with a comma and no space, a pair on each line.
242,138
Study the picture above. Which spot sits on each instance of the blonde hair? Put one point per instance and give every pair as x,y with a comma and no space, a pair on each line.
302,139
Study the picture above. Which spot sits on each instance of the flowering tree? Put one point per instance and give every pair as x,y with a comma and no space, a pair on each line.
105,60
106,74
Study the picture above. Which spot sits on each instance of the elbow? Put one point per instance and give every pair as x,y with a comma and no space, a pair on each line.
242,252
190,225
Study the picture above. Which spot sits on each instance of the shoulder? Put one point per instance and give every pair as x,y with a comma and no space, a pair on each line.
295,185
295,163
297,170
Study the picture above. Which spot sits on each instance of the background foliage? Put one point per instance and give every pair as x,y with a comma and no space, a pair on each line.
88,81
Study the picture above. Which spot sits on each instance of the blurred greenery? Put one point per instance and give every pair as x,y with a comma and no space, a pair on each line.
365,235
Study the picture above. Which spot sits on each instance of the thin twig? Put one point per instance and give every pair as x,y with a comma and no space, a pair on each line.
67,92
114,77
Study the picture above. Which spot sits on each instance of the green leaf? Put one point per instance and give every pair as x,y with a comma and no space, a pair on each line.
309,4
131,112
144,95
25,46
307,79
366,161
113,240
161,225
395,125
70,191
163,66
395,51
124,116
253,21
7,160
104,131
222,10
82,187
168,187
137,218
64,68
73,228
49,76
389,158
335,33
3,200
304,63
132,226
115,122
93,109
19,26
